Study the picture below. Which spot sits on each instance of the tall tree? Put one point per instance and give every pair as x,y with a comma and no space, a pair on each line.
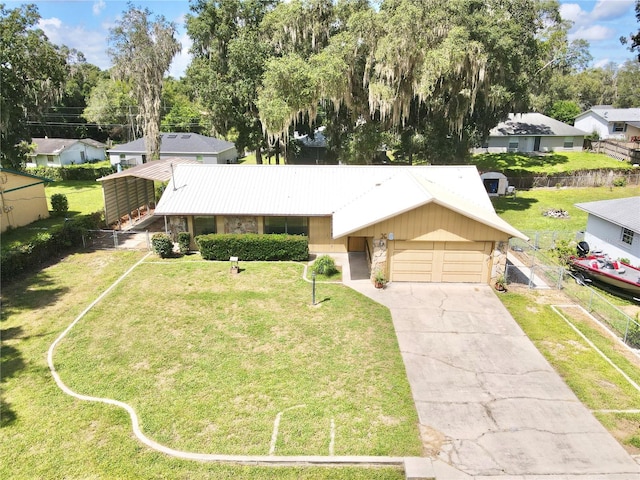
142,50
112,107
228,62
32,75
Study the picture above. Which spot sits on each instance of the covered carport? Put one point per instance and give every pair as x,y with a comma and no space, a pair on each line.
130,192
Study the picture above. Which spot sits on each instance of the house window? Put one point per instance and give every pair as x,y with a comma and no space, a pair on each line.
122,157
50,159
619,127
204,225
513,144
627,236
199,158
83,157
290,225
568,142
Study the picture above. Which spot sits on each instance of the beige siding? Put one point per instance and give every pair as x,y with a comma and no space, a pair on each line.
124,195
432,223
23,206
320,240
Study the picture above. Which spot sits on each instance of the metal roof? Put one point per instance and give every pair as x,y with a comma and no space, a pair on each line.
610,114
53,146
178,143
356,196
158,170
624,212
537,124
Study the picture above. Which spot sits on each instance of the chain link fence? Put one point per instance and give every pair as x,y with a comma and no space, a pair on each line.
536,265
117,240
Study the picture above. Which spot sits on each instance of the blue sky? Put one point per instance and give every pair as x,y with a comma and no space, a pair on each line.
84,25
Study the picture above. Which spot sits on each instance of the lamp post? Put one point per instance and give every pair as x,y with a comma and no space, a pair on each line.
313,288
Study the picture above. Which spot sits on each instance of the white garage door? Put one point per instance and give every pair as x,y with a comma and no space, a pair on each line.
440,262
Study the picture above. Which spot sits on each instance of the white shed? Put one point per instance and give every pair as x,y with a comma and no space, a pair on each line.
495,183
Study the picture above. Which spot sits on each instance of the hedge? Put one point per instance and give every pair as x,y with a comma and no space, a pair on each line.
72,172
46,246
252,247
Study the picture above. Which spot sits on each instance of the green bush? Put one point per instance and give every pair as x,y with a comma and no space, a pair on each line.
59,204
252,247
162,245
324,265
620,182
46,246
184,242
86,171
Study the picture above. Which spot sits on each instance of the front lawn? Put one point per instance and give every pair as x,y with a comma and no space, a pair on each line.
207,360
515,164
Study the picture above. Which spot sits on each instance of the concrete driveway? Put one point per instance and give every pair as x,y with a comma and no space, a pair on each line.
489,403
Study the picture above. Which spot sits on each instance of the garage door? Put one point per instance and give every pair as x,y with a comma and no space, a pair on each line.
440,262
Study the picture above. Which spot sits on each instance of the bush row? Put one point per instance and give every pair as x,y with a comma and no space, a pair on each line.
46,246
252,247
72,172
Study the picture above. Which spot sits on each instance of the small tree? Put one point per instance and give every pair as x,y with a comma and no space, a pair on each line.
59,204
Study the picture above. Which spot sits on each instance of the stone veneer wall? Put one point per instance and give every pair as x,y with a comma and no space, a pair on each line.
499,259
239,224
379,257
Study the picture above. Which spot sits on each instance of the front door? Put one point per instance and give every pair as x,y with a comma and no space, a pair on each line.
536,144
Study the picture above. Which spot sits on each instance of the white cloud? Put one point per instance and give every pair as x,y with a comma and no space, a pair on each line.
611,9
573,12
594,33
98,7
91,43
182,60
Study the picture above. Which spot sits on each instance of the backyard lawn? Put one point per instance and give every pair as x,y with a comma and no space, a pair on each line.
208,361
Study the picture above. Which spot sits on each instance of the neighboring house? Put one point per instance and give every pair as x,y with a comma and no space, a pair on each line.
532,132
309,151
613,226
192,146
609,122
22,198
56,152
420,223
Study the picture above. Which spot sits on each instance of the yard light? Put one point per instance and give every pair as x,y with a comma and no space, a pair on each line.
313,288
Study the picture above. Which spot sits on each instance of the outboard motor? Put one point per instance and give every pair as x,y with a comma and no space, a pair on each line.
582,249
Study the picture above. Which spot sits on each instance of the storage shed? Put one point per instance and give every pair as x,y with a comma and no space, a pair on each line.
131,191
495,183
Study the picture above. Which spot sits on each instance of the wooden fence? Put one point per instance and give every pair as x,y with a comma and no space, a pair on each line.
627,151
594,178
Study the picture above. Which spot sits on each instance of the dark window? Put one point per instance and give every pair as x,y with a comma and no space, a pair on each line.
627,236
290,225
619,127
568,142
204,225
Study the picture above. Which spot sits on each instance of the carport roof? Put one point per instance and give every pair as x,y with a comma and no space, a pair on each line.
355,196
157,170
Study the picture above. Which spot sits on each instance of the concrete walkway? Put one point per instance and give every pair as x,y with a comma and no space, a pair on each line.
488,401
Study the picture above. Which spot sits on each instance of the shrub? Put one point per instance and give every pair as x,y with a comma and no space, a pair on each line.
162,245
633,334
324,265
251,247
72,172
184,242
59,204
620,182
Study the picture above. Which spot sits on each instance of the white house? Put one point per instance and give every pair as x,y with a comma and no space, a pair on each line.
56,152
609,122
613,226
192,146
532,132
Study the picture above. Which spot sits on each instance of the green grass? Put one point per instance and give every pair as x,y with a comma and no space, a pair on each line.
553,163
47,434
595,382
525,210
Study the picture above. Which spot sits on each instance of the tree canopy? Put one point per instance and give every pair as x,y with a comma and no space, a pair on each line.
32,76
142,50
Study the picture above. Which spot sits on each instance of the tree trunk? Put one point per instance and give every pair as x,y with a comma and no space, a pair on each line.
278,152
258,155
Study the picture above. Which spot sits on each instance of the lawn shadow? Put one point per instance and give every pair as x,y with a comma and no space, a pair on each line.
517,204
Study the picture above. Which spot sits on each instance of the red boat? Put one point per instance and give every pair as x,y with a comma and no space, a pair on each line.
598,267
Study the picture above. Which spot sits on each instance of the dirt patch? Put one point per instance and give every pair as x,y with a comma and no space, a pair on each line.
432,441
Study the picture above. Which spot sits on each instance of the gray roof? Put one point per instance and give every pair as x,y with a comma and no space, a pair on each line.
158,170
177,144
537,124
611,114
53,146
624,212
355,196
